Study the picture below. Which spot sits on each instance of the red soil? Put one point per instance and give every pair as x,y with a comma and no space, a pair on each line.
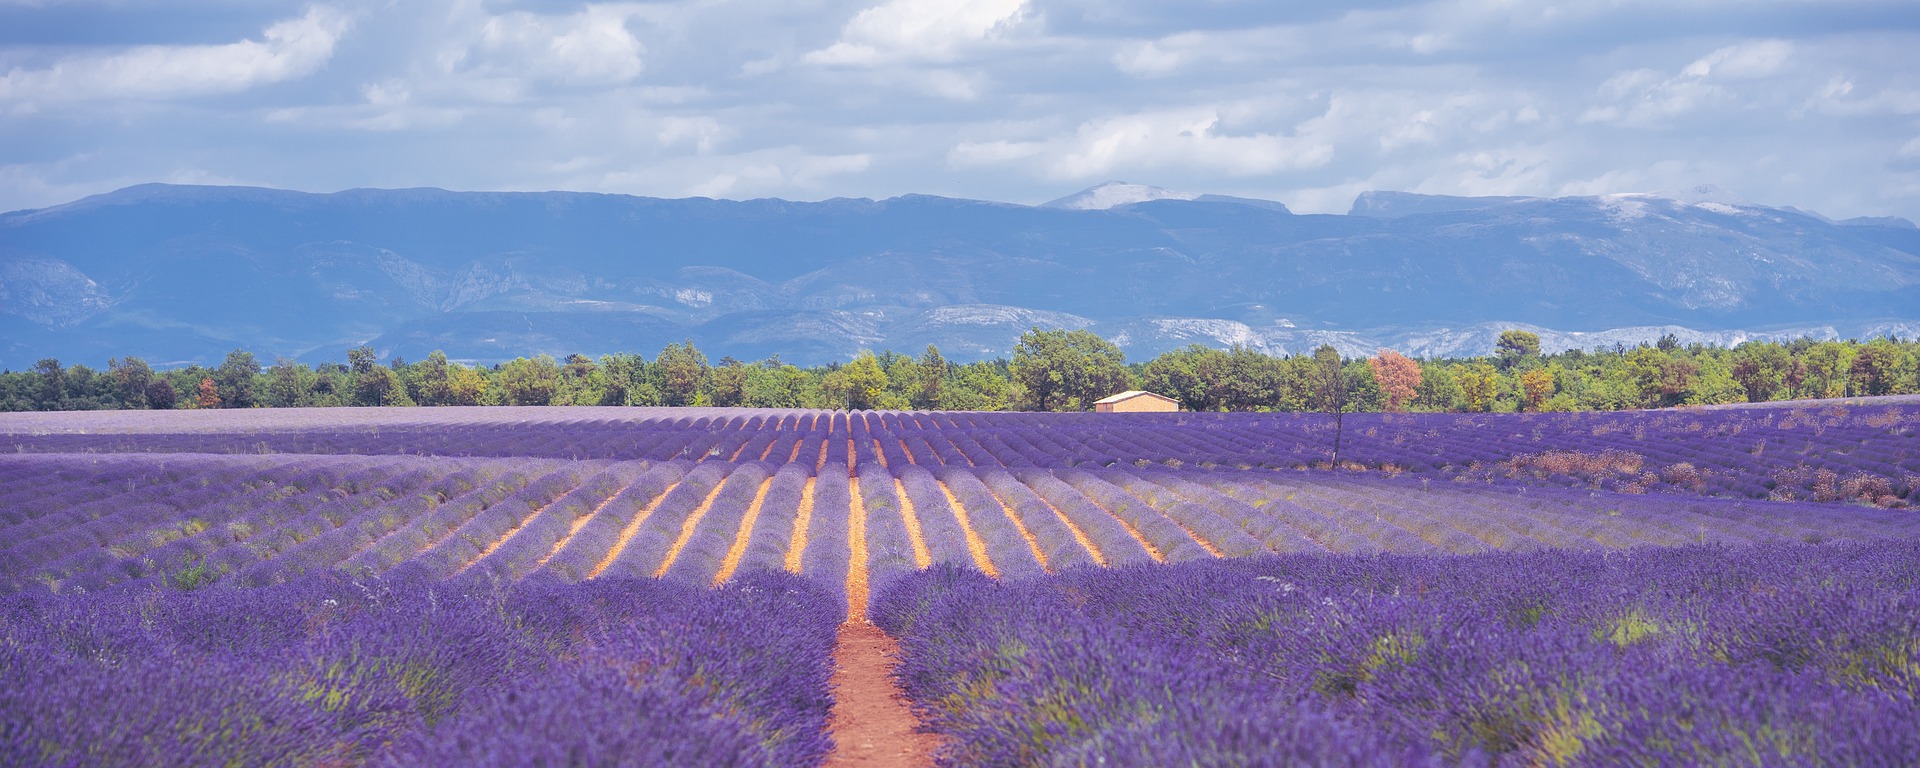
872,724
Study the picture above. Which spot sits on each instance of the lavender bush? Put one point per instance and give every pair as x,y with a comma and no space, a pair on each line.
1788,654
404,671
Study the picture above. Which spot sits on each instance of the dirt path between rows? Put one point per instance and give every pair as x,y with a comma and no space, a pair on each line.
872,724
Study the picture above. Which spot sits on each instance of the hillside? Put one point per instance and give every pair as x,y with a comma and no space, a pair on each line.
184,274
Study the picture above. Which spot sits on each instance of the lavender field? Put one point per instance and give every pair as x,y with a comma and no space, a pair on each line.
287,553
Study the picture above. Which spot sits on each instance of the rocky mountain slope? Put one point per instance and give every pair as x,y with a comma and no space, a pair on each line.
183,273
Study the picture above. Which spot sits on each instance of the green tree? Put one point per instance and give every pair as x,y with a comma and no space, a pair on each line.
866,381
1439,388
1713,382
1363,391
1249,380
431,380
1182,375
727,383
524,381
362,359
583,383
977,387
1516,348
1881,367
235,378
380,386
932,376
1067,370
1479,387
682,372
131,377
286,384
1329,382
784,386
465,386
627,380
833,388
52,389
1828,365
1662,378
1760,369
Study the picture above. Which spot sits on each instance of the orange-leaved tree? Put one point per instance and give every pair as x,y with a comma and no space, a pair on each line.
1398,377
1536,386
209,394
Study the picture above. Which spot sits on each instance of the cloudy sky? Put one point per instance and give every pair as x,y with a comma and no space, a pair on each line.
1812,103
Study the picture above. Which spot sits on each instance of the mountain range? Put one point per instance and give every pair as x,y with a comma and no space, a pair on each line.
179,274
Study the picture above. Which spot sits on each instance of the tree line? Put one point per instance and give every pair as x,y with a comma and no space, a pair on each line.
1050,370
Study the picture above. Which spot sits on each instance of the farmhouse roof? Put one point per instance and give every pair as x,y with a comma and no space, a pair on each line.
1129,395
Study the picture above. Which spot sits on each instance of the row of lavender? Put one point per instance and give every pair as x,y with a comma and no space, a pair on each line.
1860,452
89,522
1767,655
327,670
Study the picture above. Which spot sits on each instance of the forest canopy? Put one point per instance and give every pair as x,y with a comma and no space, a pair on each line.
1051,370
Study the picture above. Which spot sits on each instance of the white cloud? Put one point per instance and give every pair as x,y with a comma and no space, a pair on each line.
1151,57
288,49
702,133
1179,138
997,152
1644,96
592,47
923,30
1838,98
997,99
1746,60
778,171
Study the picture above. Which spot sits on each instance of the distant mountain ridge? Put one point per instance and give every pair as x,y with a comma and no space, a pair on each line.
186,273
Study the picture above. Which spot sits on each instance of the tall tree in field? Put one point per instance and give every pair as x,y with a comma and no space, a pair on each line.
1067,370
1398,377
1333,385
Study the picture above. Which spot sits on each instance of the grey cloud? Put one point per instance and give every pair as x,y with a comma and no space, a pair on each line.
1808,104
